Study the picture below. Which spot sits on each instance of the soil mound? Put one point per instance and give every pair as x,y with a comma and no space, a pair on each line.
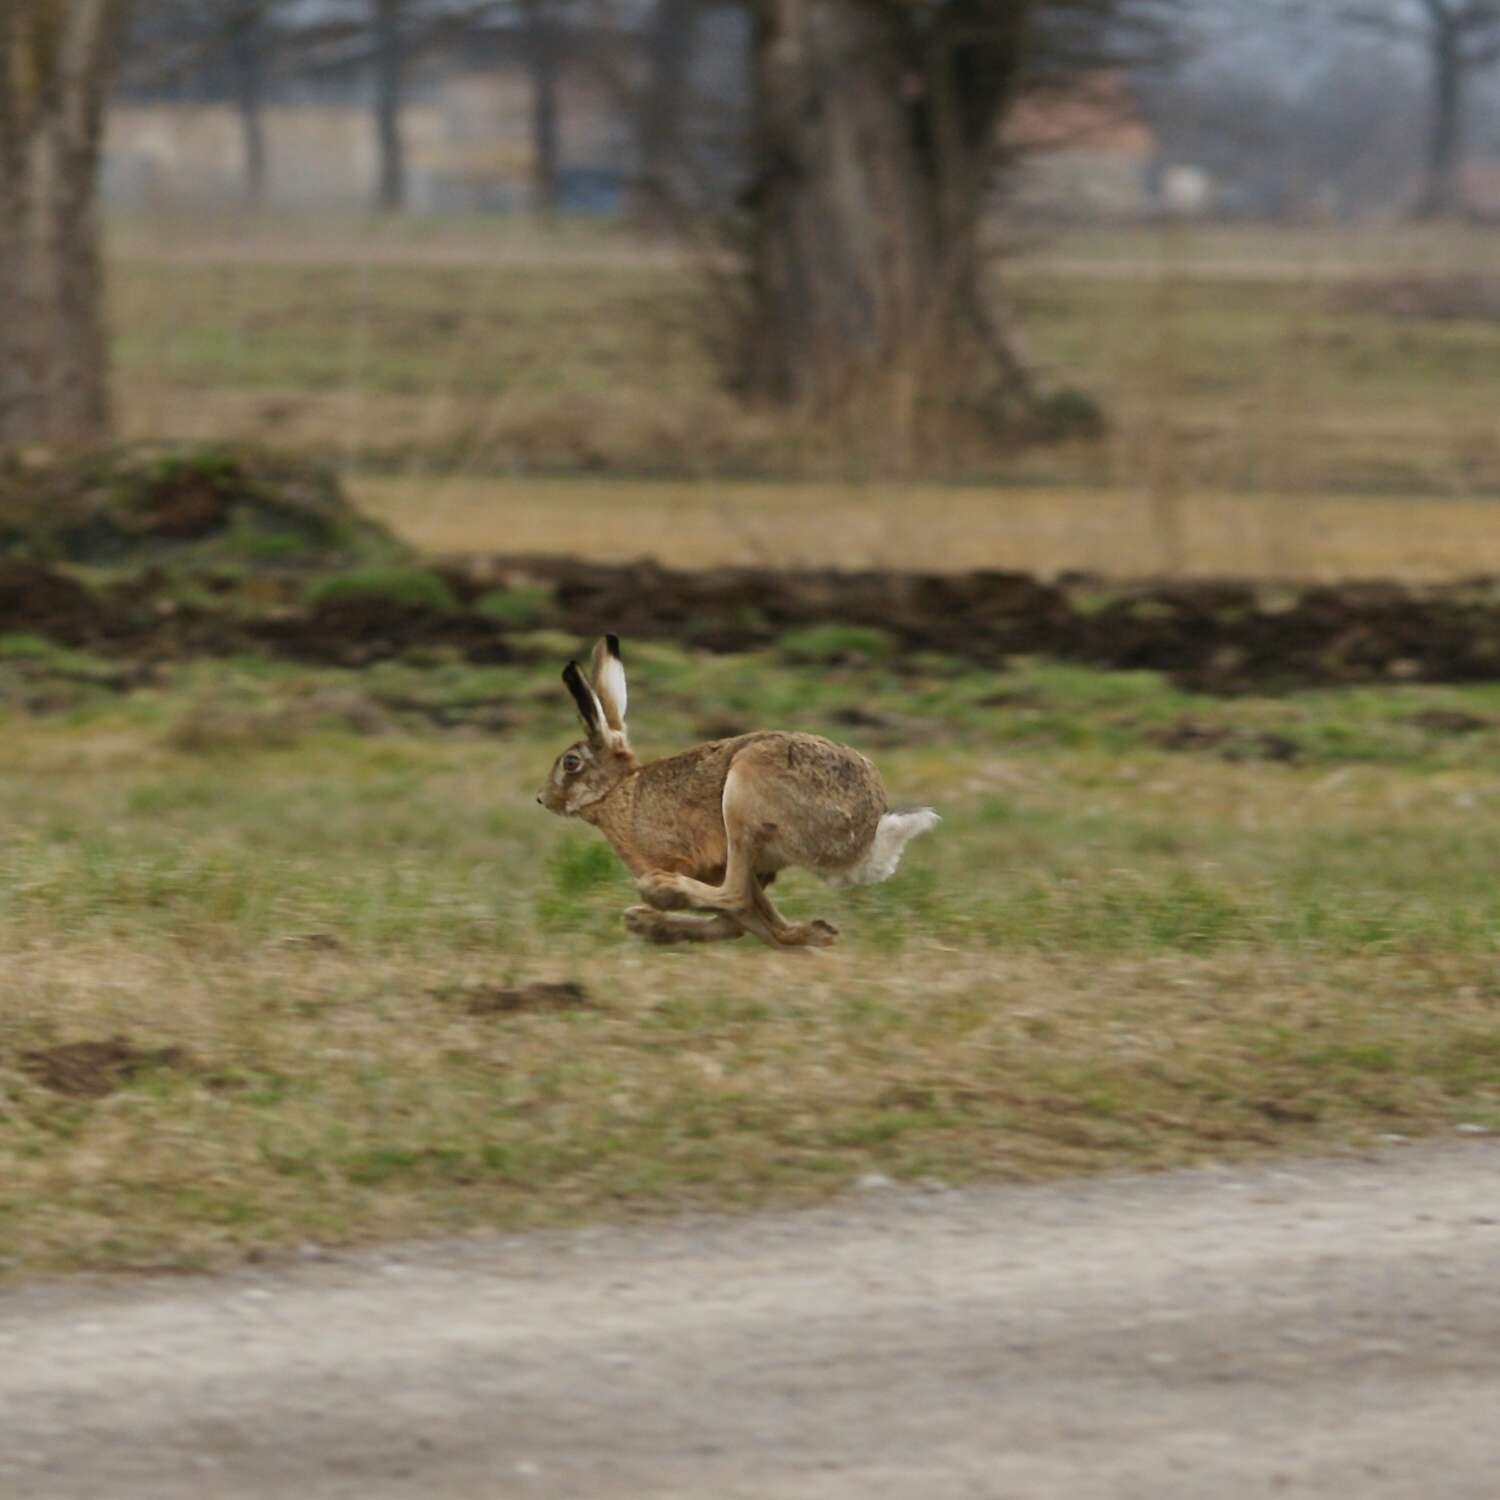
37,601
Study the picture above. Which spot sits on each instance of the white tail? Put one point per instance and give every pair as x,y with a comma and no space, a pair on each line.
893,833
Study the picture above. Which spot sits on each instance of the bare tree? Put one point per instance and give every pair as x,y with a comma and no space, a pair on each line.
874,148
544,43
247,48
661,112
207,49
56,58
1462,40
390,190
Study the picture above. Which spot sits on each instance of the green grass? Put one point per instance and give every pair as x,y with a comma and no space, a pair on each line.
1109,954
828,645
414,586
519,608
396,330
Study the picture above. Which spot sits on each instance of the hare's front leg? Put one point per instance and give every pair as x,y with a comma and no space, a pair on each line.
681,927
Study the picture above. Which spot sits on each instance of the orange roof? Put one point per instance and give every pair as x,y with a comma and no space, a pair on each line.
1093,113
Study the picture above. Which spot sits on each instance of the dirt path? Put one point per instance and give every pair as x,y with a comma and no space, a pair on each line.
1319,1330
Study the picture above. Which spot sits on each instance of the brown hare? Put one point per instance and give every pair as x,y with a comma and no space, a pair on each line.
707,830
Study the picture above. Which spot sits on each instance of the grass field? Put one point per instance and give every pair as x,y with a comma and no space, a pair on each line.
290,954
320,926
1228,362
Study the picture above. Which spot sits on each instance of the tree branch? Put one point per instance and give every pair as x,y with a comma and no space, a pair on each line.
1382,22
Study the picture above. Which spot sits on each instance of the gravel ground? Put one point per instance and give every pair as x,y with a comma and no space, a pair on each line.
1323,1329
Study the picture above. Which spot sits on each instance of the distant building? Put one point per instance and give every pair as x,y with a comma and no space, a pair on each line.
1479,183
1086,152
1083,152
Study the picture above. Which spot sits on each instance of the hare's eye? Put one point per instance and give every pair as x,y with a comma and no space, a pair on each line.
571,763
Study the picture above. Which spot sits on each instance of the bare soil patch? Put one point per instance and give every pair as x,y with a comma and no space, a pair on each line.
1226,740
41,601
96,1069
1220,637
539,996
1214,636
355,632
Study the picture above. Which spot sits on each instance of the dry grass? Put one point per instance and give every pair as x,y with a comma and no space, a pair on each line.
332,1097
1296,252
942,528
1226,363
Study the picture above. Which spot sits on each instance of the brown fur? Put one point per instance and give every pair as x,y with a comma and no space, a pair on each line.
709,828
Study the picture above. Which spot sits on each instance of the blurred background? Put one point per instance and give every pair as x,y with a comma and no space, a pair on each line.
1153,266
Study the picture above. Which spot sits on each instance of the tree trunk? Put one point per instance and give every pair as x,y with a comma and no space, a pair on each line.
247,62
17,377
390,191
873,144
544,59
19,397
55,61
661,117
1441,192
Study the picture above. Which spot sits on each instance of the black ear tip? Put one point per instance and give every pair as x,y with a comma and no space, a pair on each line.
570,671
613,643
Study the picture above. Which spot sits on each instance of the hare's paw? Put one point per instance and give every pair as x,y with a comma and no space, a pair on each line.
814,934
821,934
655,926
662,892
644,922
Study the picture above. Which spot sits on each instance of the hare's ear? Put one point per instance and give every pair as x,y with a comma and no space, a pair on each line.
608,674
589,709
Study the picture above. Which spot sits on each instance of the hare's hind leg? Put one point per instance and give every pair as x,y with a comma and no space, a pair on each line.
741,895
681,927
814,934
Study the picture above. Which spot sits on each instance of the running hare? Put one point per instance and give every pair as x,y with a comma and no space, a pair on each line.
708,829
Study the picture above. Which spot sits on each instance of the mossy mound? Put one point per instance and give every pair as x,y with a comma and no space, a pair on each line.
415,587
149,502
